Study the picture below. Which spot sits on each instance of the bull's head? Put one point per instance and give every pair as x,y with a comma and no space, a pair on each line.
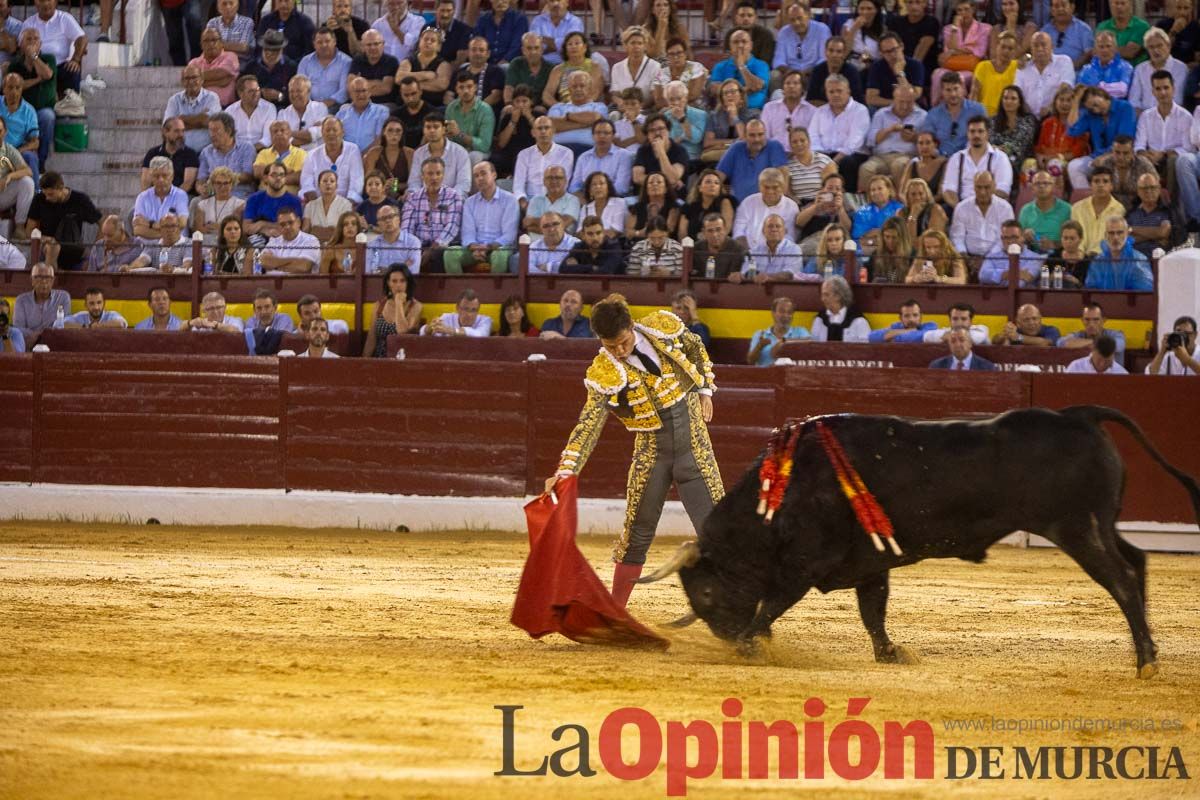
715,597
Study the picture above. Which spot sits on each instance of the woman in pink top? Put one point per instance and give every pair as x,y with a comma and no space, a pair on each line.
964,44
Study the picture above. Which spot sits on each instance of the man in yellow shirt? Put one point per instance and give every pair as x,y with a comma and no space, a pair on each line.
281,151
1092,212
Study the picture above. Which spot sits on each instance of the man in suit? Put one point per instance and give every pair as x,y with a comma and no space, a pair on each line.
961,356
655,376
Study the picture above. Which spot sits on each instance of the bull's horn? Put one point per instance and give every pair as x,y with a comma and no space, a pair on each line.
688,555
682,622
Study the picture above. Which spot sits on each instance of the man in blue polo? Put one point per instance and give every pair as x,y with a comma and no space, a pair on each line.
800,45
570,322
1070,35
615,162
745,160
1103,118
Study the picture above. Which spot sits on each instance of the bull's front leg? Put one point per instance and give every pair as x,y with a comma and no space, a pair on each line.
872,607
769,610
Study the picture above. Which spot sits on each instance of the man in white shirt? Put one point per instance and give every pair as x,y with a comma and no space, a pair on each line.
1164,130
399,29
1040,78
62,38
962,318
839,129
455,158
752,212
978,157
304,115
1101,361
1158,47
343,157
293,251
213,316
892,137
317,336
252,116
533,160
1179,355
778,258
975,228
465,320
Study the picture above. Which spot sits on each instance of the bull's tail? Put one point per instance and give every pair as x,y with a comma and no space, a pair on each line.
1100,414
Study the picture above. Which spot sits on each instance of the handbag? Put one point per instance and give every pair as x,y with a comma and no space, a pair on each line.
962,62
71,105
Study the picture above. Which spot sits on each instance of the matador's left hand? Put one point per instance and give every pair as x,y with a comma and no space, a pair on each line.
706,407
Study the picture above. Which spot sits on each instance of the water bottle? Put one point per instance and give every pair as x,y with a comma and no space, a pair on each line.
164,258
750,269
400,354
1045,281
710,268
348,262
1058,276
257,263
828,272
59,317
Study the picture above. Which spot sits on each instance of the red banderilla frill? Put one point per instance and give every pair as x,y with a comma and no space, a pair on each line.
866,508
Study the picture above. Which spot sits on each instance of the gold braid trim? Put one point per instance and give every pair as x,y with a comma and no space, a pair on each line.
702,449
645,451
606,375
583,438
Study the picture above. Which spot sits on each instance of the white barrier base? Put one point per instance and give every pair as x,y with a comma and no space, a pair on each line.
307,509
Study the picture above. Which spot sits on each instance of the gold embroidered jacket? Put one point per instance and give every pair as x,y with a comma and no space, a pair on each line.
634,395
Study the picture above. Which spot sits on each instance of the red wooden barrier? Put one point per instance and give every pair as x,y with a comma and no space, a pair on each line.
116,340
481,427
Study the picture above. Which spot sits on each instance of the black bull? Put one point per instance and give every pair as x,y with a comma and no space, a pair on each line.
952,489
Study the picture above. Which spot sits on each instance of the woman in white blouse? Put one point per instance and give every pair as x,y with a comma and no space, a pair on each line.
602,202
216,207
322,212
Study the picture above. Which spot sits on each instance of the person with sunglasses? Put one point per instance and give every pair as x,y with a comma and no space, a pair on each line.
948,119
1072,36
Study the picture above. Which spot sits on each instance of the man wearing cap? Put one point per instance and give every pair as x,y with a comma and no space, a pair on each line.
273,69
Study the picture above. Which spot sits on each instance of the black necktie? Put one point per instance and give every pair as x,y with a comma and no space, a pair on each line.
648,363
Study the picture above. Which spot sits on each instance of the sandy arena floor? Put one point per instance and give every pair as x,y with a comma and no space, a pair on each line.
165,662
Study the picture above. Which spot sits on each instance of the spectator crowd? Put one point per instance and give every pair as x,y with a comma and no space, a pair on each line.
917,147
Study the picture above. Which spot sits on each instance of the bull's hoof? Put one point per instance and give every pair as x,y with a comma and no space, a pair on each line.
749,647
1148,670
896,654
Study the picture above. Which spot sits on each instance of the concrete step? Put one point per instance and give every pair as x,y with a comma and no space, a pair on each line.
141,77
93,162
134,98
124,140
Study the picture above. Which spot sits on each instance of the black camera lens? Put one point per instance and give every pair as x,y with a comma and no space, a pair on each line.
1174,340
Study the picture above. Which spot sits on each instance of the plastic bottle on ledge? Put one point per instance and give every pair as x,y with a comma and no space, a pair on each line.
1045,279
750,270
257,263
710,268
1058,276
828,272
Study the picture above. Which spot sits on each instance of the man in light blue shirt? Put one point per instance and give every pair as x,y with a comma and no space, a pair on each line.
765,344
21,123
994,269
800,44
327,68
1107,70
161,318
362,120
194,105
555,199
547,255
267,316
908,330
392,245
1070,35
1093,329
553,25
1119,267
573,121
490,225
948,119
615,162
226,151
95,315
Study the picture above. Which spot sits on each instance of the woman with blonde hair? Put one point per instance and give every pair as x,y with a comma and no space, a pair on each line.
921,212
337,257
890,261
937,261
217,206
831,251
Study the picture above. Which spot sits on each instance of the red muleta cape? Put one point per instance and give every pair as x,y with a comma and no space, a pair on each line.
560,592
